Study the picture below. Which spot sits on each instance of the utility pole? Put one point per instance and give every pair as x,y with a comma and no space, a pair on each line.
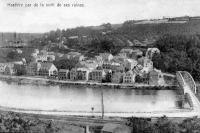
2,37
102,103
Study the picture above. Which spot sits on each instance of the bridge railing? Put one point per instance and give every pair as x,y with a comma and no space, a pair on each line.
183,78
189,80
180,80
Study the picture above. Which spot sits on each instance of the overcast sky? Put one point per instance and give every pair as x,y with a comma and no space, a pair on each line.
95,12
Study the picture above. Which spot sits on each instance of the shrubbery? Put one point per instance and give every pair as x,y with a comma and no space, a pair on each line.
164,125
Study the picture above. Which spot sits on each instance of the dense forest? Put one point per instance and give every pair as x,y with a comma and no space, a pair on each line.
179,53
122,36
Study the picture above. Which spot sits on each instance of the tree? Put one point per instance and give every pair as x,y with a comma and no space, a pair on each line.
13,55
20,69
178,53
65,63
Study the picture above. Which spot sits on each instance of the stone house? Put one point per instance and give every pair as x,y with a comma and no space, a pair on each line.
73,74
129,77
83,74
97,75
63,74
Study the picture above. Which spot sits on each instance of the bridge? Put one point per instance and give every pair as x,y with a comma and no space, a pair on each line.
187,83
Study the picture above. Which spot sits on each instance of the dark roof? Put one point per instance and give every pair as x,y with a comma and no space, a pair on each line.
63,70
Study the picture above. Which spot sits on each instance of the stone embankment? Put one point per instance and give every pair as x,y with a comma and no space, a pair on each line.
38,80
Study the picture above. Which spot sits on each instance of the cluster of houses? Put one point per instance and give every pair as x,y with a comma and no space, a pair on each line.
122,68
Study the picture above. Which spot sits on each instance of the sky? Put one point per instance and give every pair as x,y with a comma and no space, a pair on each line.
95,12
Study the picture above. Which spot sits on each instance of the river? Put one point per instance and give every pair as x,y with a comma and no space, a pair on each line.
86,99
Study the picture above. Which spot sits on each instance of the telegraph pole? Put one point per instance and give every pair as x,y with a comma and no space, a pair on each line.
2,37
102,103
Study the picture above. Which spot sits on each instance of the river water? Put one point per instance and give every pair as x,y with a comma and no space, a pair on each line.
86,99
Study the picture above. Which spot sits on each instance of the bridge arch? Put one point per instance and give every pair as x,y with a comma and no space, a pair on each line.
184,78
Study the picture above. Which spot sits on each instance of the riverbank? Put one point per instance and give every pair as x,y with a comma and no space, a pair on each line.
38,80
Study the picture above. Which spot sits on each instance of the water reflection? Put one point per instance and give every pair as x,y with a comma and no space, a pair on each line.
78,98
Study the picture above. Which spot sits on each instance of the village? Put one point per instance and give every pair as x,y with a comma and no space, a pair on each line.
130,66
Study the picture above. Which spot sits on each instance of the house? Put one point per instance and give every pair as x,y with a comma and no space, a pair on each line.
35,53
137,43
121,56
156,77
106,65
90,64
146,63
83,74
117,67
97,75
19,51
63,74
131,53
99,60
32,68
2,68
136,53
43,52
41,58
129,64
73,74
51,57
117,77
48,69
115,128
20,69
106,56
74,55
9,70
138,70
126,52
129,77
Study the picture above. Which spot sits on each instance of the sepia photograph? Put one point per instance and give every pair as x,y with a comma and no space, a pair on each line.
99,66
